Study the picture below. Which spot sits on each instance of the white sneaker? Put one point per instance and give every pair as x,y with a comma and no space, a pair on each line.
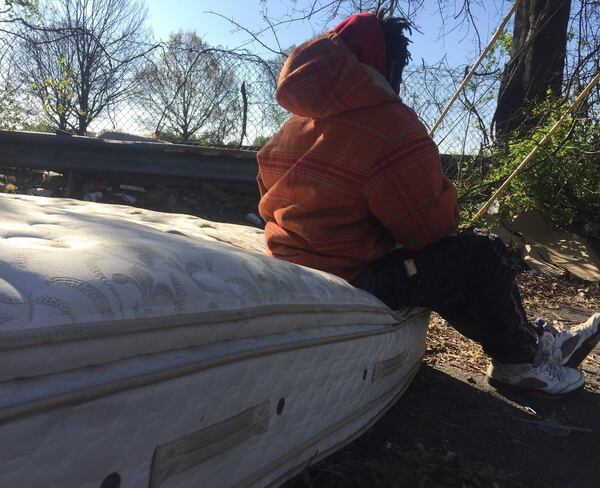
575,343
546,373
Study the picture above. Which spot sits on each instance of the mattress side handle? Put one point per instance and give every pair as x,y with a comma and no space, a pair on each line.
190,450
387,367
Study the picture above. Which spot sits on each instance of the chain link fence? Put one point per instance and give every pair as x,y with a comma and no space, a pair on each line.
467,126
236,107
184,91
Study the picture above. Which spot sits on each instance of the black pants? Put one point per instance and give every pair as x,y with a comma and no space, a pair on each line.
469,279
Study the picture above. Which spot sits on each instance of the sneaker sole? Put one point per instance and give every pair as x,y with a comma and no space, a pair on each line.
582,352
531,391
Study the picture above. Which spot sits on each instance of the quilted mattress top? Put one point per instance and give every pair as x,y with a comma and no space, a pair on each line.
72,270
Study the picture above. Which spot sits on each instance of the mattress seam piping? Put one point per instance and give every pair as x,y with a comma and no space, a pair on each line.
80,397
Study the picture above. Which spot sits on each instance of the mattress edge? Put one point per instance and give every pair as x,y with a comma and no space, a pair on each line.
67,333
85,395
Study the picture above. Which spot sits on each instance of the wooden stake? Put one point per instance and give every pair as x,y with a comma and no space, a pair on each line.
474,67
582,96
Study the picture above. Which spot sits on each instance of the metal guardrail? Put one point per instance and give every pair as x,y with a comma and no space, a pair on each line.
78,154
141,160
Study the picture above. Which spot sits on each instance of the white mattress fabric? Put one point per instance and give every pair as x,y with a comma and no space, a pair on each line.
88,272
115,319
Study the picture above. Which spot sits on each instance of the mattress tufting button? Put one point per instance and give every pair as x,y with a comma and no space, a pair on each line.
280,406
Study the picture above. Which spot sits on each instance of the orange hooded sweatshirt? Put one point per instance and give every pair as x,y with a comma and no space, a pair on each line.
353,172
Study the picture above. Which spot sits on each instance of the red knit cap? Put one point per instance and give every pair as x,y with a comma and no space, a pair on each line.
363,36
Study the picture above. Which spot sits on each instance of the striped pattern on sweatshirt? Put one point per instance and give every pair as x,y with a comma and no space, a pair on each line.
341,188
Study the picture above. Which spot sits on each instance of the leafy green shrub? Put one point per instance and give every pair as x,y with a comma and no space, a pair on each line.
563,179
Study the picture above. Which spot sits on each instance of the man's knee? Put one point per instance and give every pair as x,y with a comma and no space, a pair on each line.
488,250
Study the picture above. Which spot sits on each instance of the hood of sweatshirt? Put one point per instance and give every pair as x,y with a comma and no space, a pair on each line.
322,77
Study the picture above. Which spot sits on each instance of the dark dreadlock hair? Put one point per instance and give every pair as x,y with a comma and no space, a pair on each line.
396,47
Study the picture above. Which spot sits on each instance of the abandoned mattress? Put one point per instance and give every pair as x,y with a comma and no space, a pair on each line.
165,350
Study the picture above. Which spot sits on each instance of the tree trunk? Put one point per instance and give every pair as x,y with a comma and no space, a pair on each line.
81,125
536,65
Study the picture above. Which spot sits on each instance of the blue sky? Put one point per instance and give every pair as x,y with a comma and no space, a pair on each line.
459,46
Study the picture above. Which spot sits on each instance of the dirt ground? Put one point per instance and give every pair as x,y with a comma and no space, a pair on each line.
450,429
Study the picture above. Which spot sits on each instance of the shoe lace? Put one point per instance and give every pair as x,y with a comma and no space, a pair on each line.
549,360
554,368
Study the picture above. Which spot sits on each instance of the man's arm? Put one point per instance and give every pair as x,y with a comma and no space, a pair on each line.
261,186
409,194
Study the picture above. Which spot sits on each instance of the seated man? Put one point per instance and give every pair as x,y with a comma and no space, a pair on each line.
352,184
